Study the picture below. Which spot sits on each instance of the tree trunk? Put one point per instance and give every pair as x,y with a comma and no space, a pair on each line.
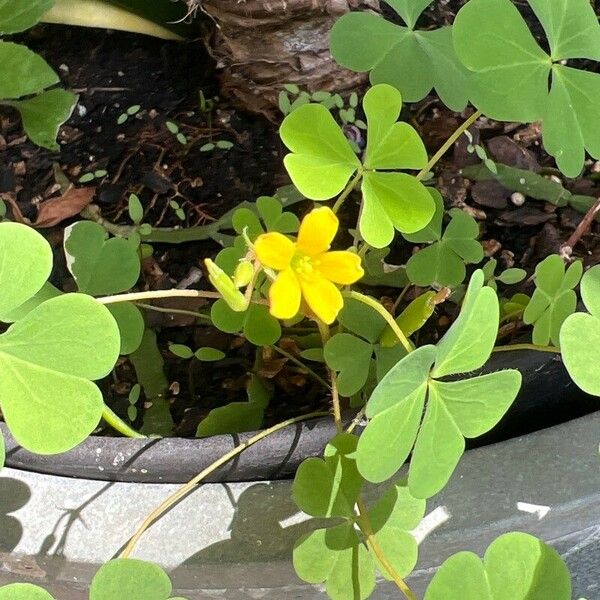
260,45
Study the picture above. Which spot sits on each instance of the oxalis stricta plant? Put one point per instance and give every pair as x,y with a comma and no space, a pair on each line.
277,272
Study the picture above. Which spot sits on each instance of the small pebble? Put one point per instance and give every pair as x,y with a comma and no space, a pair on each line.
596,167
517,199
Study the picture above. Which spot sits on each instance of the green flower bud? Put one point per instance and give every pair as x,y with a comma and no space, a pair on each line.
225,286
244,272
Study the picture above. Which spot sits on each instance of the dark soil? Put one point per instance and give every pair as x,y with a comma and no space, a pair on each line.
114,71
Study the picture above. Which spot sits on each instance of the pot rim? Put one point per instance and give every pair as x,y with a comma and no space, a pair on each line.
547,397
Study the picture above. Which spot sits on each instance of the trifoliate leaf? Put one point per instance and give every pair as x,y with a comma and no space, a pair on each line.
553,300
412,61
516,566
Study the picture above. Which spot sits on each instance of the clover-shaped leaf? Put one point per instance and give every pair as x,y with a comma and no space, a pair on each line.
24,591
338,555
580,336
132,579
47,359
443,262
412,61
25,267
26,15
512,71
553,300
453,410
322,163
98,264
256,323
131,325
516,566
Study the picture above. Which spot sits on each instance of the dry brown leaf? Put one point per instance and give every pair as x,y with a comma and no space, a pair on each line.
71,203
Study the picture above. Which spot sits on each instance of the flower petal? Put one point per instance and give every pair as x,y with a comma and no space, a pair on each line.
322,297
274,250
285,295
317,230
341,267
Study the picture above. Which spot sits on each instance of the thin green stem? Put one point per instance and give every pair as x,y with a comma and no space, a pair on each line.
174,311
190,485
384,313
347,190
512,347
448,144
302,366
119,425
335,396
364,522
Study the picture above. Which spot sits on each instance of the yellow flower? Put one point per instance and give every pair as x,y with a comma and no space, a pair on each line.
306,268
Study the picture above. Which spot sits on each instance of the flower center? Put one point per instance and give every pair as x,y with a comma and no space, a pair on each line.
302,265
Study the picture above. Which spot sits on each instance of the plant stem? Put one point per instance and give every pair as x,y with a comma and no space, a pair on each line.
353,183
365,525
174,311
512,347
119,425
157,294
384,313
300,364
188,487
448,144
335,396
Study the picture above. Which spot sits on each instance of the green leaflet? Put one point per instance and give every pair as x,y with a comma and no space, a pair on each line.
132,579
15,18
322,162
100,265
453,410
25,267
516,566
580,336
511,79
412,61
553,300
24,591
256,323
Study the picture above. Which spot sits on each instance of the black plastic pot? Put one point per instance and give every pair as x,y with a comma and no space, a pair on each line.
233,540
547,397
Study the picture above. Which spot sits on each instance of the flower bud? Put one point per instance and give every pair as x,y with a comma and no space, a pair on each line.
244,272
225,286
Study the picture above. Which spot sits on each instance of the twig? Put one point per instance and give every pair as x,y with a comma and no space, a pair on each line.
566,250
